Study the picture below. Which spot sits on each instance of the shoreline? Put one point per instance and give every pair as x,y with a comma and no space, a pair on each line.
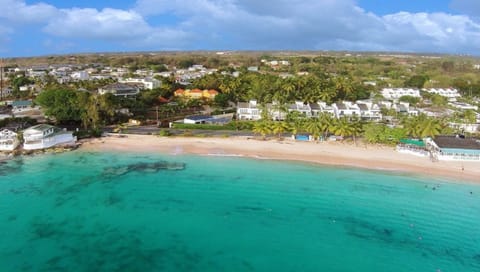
369,157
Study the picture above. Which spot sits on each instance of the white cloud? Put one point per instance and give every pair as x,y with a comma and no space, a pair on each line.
252,24
113,25
317,24
19,12
107,24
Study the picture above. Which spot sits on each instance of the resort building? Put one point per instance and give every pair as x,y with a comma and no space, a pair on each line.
45,136
369,111
322,107
396,93
8,140
450,93
299,106
364,110
248,111
346,109
454,148
120,89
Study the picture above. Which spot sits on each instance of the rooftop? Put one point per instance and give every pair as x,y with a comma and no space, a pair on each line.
457,142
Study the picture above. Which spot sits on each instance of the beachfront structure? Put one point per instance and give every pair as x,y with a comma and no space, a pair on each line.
196,94
304,109
45,136
8,140
454,148
364,109
120,89
346,109
369,111
147,83
322,107
396,93
248,111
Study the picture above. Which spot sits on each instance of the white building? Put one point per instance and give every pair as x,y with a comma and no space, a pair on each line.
369,111
346,109
80,75
8,140
119,89
45,136
148,82
450,93
396,93
248,111
463,106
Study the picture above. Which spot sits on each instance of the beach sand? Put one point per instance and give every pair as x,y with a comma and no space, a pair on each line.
327,153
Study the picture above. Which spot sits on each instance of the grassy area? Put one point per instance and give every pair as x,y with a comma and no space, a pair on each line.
234,125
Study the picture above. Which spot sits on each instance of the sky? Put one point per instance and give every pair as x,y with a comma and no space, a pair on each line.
33,28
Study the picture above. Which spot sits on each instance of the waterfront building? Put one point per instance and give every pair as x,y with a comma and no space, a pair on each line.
8,140
45,136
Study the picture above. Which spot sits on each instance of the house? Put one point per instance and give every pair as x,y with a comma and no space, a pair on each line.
454,148
248,111
196,93
148,83
120,89
8,140
45,136
21,106
205,119
197,119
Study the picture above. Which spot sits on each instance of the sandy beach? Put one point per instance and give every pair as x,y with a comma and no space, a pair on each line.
326,153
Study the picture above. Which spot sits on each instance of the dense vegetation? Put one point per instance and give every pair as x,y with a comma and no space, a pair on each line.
308,77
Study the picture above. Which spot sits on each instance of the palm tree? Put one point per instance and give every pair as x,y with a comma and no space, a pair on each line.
342,127
326,122
279,128
356,129
430,127
314,127
263,128
296,122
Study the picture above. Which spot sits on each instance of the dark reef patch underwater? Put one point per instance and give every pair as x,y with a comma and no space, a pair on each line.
87,211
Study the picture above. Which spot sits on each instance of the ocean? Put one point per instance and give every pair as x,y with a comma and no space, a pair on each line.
88,211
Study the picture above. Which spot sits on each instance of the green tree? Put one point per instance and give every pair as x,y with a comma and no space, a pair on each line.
279,128
263,128
62,104
416,81
430,127
342,127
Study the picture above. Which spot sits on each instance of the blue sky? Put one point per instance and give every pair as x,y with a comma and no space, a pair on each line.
30,28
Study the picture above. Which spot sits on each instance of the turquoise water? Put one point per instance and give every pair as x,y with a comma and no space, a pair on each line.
83,211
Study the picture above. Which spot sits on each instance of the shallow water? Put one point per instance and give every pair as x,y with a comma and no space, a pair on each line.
82,211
